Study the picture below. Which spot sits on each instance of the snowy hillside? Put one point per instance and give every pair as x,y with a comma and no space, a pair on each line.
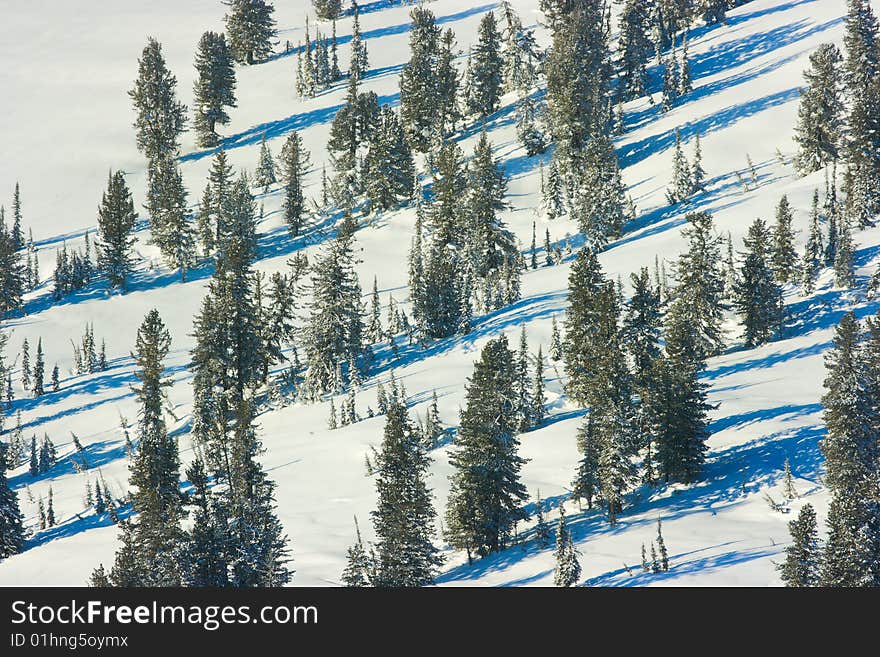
67,120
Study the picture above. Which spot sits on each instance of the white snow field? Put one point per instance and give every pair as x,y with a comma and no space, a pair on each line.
65,120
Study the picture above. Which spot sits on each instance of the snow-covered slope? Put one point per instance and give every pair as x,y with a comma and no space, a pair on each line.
66,120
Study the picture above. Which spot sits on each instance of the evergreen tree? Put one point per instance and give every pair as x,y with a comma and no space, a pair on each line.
214,88
698,174
39,369
757,295
850,448
538,398
116,217
568,568
17,237
55,379
264,175
250,28
519,52
12,273
359,63
486,493
160,117
485,69
389,171
700,283
404,517
661,547
820,113
170,224
542,531
714,11
813,256
635,48
784,257
844,275
555,341
294,163
327,9
359,566
599,205
682,185
151,558
418,82
334,330
50,509
802,558
11,521
446,75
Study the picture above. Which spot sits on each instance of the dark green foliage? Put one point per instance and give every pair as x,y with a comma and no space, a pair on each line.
568,569
116,217
214,89
803,556
486,492
389,171
821,111
404,517
294,163
420,86
757,295
250,28
160,117
484,73
784,257
170,223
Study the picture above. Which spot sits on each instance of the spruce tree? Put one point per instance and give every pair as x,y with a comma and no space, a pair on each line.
160,117
568,569
389,170
486,492
327,9
359,566
820,114
697,295
214,88
294,162
39,369
250,28
116,217
334,330
264,175
170,224
681,185
485,69
358,64
844,274
155,532
17,237
404,517
418,82
802,557
11,521
635,47
784,257
813,258
757,295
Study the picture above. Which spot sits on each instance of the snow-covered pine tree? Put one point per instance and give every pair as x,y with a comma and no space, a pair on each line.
250,28
485,504
862,76
852,553
334,330
11,521
634,45
553,199
358,63
160,117
404,517
757,294
328,9
15,231
485,70
171,228
568,568
814,252
491,249
697,295
714,11
542,531
803,556
599,203
844,274
681,185
588,289
784,257
418,82
359,567
389,171
264,175
294,162
685,85
538,398
116,217
528,129
821,111
523,385
39,370
698,174
152,558
12,274
214,88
